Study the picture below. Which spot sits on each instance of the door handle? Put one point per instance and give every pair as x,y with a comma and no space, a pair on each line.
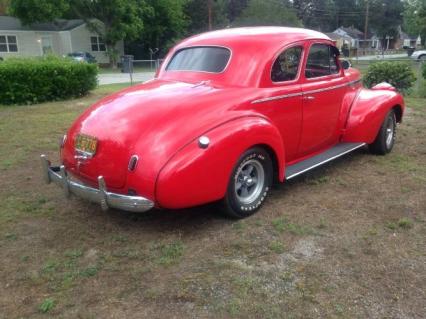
309,97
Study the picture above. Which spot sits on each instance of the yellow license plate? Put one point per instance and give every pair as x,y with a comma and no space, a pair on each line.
86,143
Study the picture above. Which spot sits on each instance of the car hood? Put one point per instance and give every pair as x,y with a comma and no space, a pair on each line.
153,120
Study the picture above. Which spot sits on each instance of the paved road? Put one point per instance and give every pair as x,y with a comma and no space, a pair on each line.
111,78
381,57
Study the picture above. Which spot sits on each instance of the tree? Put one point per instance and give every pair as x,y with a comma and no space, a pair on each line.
268,12
4,6
415,18
33,11
197,12
386,17
164,23
114,20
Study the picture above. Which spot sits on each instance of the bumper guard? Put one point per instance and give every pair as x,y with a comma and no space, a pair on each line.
58,175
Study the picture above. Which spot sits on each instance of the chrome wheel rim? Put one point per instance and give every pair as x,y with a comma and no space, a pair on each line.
249,182
390,132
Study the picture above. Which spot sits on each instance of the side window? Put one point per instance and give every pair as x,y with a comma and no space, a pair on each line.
286,66
322,61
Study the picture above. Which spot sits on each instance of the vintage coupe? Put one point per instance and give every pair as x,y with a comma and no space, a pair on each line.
228,113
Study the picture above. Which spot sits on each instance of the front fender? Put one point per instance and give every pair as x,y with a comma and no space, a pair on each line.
367,114
195,176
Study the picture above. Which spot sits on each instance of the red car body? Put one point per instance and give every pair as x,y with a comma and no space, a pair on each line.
162,120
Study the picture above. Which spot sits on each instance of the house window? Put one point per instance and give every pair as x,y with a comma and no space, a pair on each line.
97,43
8,43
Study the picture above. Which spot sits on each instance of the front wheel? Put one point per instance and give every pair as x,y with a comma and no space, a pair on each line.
249,184
385,139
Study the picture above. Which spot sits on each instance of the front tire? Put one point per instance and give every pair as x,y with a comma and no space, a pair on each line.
385,139
249,184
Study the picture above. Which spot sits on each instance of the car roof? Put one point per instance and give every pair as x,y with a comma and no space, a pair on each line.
252,50
255,35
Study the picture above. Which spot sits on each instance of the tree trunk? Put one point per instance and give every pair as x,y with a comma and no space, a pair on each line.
112,54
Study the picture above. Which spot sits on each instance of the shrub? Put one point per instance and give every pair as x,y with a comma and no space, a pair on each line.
36,80
424,70
399,74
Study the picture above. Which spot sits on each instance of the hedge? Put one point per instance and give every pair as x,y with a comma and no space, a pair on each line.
399,74
424,70
36,80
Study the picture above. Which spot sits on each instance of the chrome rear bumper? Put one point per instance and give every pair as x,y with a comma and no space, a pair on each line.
58,175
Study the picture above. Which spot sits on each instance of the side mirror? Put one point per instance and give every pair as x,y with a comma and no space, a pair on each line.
346,64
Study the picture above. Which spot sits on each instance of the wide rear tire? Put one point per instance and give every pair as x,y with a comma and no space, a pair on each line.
249,184
385,139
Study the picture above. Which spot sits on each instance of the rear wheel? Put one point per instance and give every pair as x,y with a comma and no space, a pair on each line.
249,184
385,139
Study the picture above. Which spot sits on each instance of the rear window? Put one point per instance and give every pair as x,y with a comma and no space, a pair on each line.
200,59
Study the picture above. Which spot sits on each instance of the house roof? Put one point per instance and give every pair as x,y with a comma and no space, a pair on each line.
352,32
8,23
404,35
334,36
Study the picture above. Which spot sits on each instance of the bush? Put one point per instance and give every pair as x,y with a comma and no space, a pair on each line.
424,70
36,80
399,74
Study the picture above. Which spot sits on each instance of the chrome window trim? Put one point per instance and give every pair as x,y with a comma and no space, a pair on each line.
328,76
200,46
286,96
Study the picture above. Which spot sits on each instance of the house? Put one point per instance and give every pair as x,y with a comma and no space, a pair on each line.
59,37
340,40
353,37
405,40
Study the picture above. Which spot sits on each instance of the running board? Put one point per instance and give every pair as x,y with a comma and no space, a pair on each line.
320,159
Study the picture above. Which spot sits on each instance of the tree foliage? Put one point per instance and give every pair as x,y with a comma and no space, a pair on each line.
415,18
33,11
120,19
165,22
268,12
197,11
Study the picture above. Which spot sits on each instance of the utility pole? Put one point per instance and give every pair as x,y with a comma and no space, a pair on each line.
209,8
366,19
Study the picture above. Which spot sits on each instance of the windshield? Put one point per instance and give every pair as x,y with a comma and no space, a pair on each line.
200,59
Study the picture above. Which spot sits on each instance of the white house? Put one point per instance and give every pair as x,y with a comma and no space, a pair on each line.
59,37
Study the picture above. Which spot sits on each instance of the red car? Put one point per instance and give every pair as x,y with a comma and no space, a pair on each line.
228,113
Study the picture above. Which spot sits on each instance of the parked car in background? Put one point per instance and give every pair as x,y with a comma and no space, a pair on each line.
228,113
82,57
419,55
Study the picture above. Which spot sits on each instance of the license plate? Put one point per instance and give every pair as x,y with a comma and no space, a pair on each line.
86,144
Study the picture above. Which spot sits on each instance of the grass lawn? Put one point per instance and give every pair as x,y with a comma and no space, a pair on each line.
345,241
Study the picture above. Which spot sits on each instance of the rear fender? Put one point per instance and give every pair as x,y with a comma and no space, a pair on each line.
195,176
368,112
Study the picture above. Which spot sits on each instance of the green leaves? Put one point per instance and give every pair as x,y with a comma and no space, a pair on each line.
271,12
32,11
399,74
31,81
47,305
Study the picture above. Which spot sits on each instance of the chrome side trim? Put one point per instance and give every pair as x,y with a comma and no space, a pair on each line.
58,175
279,97
325,161
286,96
